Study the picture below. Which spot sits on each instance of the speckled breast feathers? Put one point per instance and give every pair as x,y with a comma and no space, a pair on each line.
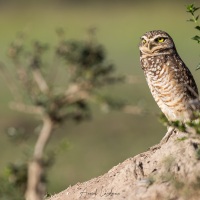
170,81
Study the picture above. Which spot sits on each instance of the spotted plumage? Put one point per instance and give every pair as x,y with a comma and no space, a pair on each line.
170,81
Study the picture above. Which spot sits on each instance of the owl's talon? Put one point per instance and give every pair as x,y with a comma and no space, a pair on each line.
169,133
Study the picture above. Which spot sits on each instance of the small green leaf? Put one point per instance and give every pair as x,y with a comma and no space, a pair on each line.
190,20
197,38
198,67
192,9
195,9
197,17
197,27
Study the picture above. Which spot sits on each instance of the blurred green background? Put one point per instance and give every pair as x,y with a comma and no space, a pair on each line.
97,145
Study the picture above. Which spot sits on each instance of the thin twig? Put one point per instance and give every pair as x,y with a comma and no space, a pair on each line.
40,81
26,108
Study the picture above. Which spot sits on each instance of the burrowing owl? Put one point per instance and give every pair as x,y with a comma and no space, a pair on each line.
170,81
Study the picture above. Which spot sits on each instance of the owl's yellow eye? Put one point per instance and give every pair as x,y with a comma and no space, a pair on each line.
144,41
160,39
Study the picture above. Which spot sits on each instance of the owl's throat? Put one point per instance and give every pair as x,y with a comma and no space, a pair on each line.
156,52
153,64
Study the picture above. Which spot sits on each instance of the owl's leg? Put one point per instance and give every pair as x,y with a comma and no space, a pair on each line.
170,131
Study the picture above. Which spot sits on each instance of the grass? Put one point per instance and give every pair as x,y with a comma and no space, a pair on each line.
109,138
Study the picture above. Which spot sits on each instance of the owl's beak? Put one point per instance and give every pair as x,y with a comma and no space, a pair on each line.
150,45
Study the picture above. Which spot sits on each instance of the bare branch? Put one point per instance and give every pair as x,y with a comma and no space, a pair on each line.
35,187
43,138
40,81
35,190
26,108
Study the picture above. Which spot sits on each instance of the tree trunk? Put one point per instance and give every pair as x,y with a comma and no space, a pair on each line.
166,171
35,187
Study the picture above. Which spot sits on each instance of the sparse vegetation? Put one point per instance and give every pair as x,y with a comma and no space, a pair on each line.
19,133
195,124
192,9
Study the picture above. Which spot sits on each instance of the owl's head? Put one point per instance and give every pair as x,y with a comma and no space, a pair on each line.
156,42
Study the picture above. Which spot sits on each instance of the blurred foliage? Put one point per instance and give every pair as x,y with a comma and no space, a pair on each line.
13,183
175,124
192,125
86,71
39,88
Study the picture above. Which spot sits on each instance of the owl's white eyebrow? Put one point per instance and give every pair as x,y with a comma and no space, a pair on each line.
144,37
